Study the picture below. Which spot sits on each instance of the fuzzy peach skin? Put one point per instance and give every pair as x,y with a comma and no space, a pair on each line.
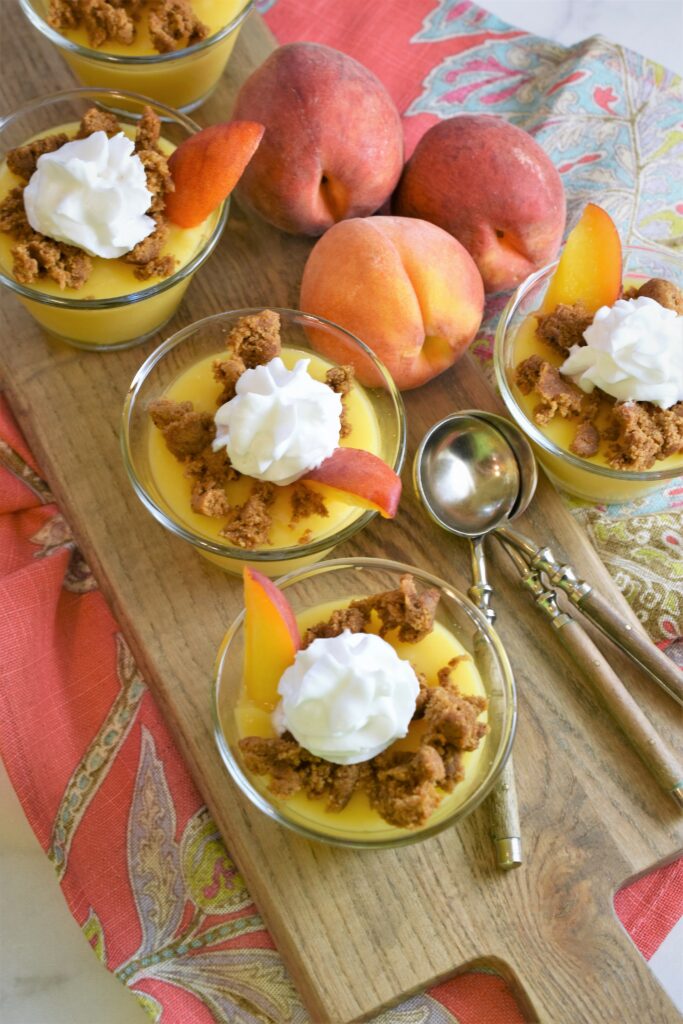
405,287
333,145
493,188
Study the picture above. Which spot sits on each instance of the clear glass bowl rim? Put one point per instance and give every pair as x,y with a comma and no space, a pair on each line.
507,735
114,301
225,550
530,428
63,43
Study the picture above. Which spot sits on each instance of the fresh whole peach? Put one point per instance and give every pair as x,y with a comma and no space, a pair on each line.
493,188
405,287
333,145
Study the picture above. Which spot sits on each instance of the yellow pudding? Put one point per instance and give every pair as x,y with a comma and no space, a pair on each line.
358,818
196,384
181,79
613,487
113,308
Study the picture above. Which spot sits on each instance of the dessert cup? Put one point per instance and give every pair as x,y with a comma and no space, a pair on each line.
338,580
182,79
119,320
586,478
207,338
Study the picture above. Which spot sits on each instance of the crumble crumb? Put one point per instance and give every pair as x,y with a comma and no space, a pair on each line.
173,25
341,379
150,247
13,214
227,372
105,21
666,293
95,120
641,433
354,618
563,327
403,609
148,131
159,179
559,397
256,338
64,14
39,256
158,266
586,440
306,502
305,537
22,160
249,524
186,432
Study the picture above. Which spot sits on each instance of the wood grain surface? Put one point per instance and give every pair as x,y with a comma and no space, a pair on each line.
359,930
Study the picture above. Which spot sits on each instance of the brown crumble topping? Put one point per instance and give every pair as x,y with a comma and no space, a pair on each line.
306,502
354,618
13,214
403,609
666,293
564,327
227,372
22,160
148,131
187,433
256,338
95,120
172,23
586,440
249,524
305,537
641,433
37,256
66,265
341,379
107,21
559,396
403,786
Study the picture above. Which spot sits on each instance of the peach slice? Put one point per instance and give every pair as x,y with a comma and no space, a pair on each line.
206,167
589,270
358,478
271,638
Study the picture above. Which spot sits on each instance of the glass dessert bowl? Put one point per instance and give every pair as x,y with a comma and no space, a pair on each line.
182,77
118,302
450,743
615,440
256,507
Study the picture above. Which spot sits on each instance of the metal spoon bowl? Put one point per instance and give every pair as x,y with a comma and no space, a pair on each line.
466,475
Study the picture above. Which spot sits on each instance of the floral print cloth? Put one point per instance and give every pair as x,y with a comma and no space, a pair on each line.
138,857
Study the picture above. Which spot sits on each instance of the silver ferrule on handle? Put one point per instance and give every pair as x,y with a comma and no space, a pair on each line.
545,598
543,560
481,591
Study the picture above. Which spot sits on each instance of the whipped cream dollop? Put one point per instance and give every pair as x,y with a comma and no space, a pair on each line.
91,193
633,351
280,424
347,698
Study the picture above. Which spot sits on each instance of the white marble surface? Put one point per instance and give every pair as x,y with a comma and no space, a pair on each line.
48,974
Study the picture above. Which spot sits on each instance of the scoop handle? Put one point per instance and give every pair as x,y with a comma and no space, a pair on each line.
635,725
502,801
615,625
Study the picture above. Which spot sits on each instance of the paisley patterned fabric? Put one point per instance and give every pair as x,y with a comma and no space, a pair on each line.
85,746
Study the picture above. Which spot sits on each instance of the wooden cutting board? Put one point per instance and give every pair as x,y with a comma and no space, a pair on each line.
359,930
